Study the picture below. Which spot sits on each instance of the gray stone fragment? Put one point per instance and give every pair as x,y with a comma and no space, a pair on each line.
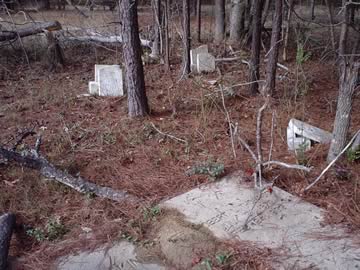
193,56
205,62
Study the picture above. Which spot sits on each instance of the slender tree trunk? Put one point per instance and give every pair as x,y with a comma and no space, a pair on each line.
186,38
312,10
137,100
349,73
198,20
156,47
265,12
255,47
219,20
274,49
287,30
330,6
237,20
167,39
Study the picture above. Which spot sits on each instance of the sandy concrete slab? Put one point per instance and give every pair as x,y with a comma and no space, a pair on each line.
119,255
232,209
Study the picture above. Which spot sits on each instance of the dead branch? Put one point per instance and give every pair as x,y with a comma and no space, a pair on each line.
168,135
33,160
286,165
258,142
333,161
7,224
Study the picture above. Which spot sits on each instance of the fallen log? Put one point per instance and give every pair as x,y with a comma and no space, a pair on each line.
106,39
7,224
31,159
34,29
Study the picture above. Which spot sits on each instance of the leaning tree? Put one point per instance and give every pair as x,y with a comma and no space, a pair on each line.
137,100
349,65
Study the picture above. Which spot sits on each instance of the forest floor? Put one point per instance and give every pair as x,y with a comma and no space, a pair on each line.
93,137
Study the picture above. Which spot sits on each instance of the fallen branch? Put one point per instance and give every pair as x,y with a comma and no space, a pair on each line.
286,165
333,161
168,135
28,31
7,224
105,39
32,159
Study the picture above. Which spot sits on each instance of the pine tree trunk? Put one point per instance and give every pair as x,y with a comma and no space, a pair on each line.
7,223
237,20
186,37
156,47
167,40
198,20
348,79
274,48
287,30
349,73
137,100
219,20
255,47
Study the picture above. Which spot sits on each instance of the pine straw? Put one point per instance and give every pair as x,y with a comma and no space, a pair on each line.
94,137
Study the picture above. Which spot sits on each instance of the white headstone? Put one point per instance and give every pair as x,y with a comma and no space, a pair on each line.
231,209
110,79
193,56
300,135
205,62
94,88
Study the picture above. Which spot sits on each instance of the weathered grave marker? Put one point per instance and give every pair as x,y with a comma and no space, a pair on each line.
108,81
193,56
205,62
300,135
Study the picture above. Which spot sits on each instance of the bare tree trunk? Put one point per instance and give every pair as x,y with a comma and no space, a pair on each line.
287,30
330,7
255,47
266,12
167,40
349,73
198,20
7,223
219,20
312,10
186,38
237,20
274,49
137,100
156,47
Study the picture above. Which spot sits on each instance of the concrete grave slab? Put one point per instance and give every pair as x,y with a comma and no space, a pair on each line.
121,255
193,56
276,220
205,62
300,135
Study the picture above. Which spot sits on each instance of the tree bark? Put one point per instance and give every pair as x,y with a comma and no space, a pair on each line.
198,20
137,100
237,20
274,48
7,224
255,47
330,6
186,38
287,30
167,39
349,73
32,30
219,20
156,46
